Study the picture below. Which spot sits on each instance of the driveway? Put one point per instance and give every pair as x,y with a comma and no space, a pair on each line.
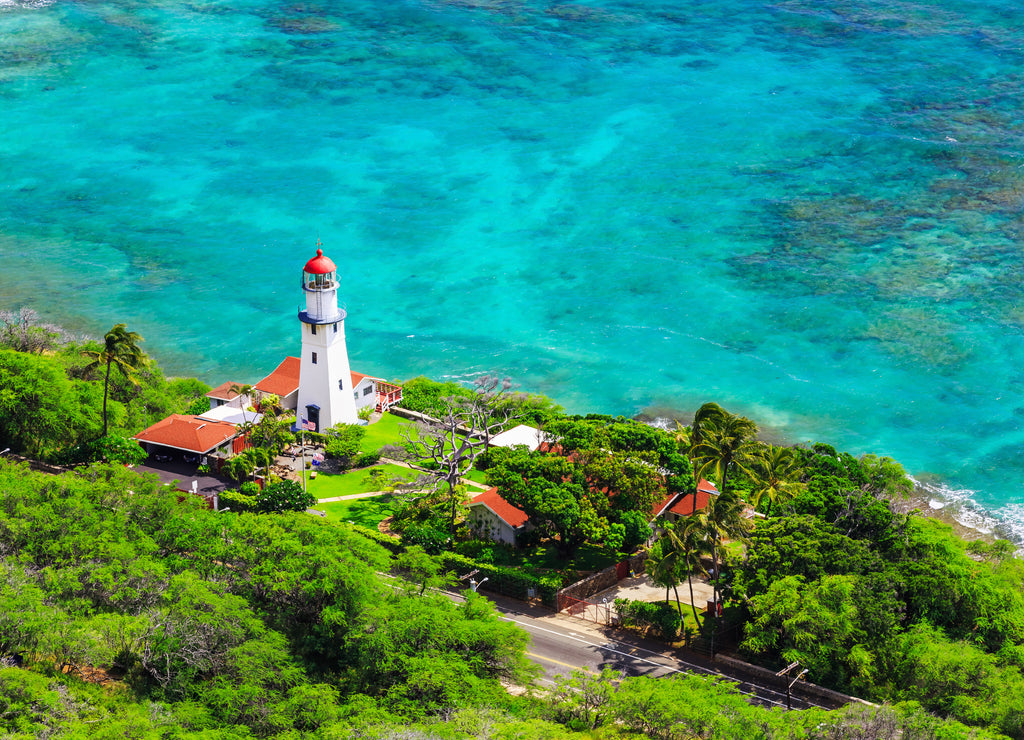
181,474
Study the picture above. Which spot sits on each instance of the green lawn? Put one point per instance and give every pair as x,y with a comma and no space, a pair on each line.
346,484
476,475
387,431
367,512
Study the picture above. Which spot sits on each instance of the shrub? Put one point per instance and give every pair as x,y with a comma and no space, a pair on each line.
394,544
366,460
662,617
342,443
429,538
286,495
512,582
236,501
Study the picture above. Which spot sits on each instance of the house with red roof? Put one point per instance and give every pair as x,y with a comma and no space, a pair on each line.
226,394
493,517
283,382
191,436
376,392
678,505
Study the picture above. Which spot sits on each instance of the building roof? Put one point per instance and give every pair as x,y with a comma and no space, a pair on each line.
284,380
188,433
358,378
320,265
223,392
683,503
230,415
505,511
520,435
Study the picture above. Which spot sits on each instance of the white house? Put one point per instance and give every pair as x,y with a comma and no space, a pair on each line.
225,395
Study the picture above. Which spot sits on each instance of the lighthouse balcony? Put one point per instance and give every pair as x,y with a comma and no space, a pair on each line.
308,317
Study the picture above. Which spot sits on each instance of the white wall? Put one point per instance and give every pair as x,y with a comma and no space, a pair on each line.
328,382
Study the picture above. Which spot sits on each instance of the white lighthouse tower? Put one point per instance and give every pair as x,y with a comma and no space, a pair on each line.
325,380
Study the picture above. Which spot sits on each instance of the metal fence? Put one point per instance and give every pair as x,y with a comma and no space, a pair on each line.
597,613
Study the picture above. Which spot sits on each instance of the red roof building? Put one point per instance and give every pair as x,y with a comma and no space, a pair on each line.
679,505
492,516
284,380
188,434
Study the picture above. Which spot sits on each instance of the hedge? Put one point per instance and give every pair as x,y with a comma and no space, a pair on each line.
236,501
660,616
507,581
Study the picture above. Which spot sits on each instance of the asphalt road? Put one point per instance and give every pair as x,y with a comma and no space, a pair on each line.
561,644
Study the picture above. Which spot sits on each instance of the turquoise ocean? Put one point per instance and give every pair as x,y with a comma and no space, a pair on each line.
810,211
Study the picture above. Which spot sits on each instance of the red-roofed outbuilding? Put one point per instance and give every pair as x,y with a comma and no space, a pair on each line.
284,381
188,434
492,516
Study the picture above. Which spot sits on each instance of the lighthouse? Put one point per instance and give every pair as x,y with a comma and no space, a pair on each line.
325,396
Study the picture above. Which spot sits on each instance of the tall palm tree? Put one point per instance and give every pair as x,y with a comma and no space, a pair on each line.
121,350
774,473
725,447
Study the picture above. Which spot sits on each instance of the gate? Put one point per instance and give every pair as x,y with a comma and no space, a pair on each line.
597,613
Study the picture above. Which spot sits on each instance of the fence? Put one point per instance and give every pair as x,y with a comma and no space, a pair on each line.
597,613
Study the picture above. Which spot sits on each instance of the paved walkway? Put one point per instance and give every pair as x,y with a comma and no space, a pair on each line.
351,496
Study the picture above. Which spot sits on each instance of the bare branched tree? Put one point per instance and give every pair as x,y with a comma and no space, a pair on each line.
22,331
450,444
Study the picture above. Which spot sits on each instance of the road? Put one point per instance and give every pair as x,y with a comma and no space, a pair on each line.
560,644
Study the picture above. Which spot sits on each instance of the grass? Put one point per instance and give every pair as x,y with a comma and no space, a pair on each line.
346,484
476,475
387,431
367,512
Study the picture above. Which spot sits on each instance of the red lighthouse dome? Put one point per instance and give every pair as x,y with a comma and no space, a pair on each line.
320,265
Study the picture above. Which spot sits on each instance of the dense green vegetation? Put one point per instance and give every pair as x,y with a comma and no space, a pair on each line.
59,399
128,610
134,612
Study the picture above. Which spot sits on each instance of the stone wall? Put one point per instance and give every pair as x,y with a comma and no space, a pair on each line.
598,582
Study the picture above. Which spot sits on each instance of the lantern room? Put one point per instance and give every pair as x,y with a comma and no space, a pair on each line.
321,288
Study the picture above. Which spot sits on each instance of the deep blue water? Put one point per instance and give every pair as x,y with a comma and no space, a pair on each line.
809,210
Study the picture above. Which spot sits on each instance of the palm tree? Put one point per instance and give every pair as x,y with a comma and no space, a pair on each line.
725,446
245,393
774,473
120,349
659,566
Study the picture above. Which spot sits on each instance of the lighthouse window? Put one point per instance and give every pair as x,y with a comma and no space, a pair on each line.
335,327
314,358
312,328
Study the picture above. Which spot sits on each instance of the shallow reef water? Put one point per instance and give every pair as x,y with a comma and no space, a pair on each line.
811,212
